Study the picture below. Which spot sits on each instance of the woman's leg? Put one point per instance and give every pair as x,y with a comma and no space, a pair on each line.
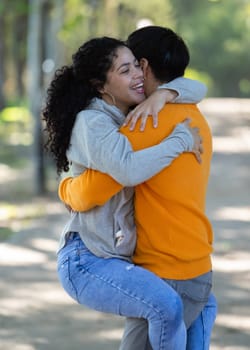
119,287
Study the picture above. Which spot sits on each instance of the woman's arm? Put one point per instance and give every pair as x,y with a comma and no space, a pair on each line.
93,188
98,144
179,90
188,90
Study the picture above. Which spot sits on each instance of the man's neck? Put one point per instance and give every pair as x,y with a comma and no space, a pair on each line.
152,85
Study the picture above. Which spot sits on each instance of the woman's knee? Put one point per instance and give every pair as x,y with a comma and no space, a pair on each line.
171,309
176,310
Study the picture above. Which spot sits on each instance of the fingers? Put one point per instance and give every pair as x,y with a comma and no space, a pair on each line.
197,155
197,146
128,118
187,122
133,117
133,121
201,149
155,119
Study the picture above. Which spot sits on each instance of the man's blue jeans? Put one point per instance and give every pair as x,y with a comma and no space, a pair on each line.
119,287
198,334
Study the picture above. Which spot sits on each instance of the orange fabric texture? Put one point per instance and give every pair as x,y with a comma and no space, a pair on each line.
174,236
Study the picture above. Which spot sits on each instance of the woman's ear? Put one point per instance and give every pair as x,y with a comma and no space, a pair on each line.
98,85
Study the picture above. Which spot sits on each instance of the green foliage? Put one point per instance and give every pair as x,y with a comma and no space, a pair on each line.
201,76
217,33
15,136
85,19
17,7
15,114
158,12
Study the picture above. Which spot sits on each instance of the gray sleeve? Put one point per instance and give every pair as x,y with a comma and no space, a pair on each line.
102,147
189,91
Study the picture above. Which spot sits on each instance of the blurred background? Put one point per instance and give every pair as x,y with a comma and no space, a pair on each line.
36,38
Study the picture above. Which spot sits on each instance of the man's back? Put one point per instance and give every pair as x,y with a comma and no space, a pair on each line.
174,235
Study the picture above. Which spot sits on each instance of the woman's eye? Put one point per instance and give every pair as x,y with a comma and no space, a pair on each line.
124,71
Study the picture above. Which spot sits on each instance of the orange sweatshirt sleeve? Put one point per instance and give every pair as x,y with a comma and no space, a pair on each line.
87,190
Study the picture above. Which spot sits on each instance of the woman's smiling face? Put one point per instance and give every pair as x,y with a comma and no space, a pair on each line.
124,84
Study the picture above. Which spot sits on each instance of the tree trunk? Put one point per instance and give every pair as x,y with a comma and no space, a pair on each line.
19,56
2,60
34,66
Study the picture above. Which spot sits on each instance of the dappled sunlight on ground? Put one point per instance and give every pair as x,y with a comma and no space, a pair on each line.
239,263
37,314
112,334
234,321
6,172
232,144
233,213
13,256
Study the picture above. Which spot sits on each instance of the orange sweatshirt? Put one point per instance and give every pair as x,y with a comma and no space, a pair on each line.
174,236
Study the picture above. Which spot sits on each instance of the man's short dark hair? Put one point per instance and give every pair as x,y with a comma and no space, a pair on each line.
166,52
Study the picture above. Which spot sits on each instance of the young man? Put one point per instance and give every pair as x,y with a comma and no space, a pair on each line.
174,236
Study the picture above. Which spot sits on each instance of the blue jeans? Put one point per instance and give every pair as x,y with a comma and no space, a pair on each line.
119,287
135,335
199,333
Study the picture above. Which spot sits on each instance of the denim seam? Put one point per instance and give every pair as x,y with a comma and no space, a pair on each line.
133,297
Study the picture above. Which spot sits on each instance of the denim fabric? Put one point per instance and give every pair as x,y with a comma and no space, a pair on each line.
199,334
194,294
135,335
119,287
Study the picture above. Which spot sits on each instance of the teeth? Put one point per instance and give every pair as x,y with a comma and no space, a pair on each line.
138,86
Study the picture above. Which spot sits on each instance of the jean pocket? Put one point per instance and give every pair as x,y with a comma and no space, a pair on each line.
196,291
194,294
64,275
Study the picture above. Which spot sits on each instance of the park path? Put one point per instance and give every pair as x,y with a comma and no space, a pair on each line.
36,314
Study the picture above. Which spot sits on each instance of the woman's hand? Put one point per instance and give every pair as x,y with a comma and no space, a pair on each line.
197,147
150,107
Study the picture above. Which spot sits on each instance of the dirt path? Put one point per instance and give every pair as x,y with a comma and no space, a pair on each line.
36,314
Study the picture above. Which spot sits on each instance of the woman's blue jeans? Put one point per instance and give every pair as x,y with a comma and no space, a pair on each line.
119,287
198,334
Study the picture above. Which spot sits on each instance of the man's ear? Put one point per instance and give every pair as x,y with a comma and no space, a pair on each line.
144,66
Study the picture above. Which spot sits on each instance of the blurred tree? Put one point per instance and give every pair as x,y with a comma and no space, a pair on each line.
13,23
2,57
45,18
217,33
34,67
85,19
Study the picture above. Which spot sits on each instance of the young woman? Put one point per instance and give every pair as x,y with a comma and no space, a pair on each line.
87,103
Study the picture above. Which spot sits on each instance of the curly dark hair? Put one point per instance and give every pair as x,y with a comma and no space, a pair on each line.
72,89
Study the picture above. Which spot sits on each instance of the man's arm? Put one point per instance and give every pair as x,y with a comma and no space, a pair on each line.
87,190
